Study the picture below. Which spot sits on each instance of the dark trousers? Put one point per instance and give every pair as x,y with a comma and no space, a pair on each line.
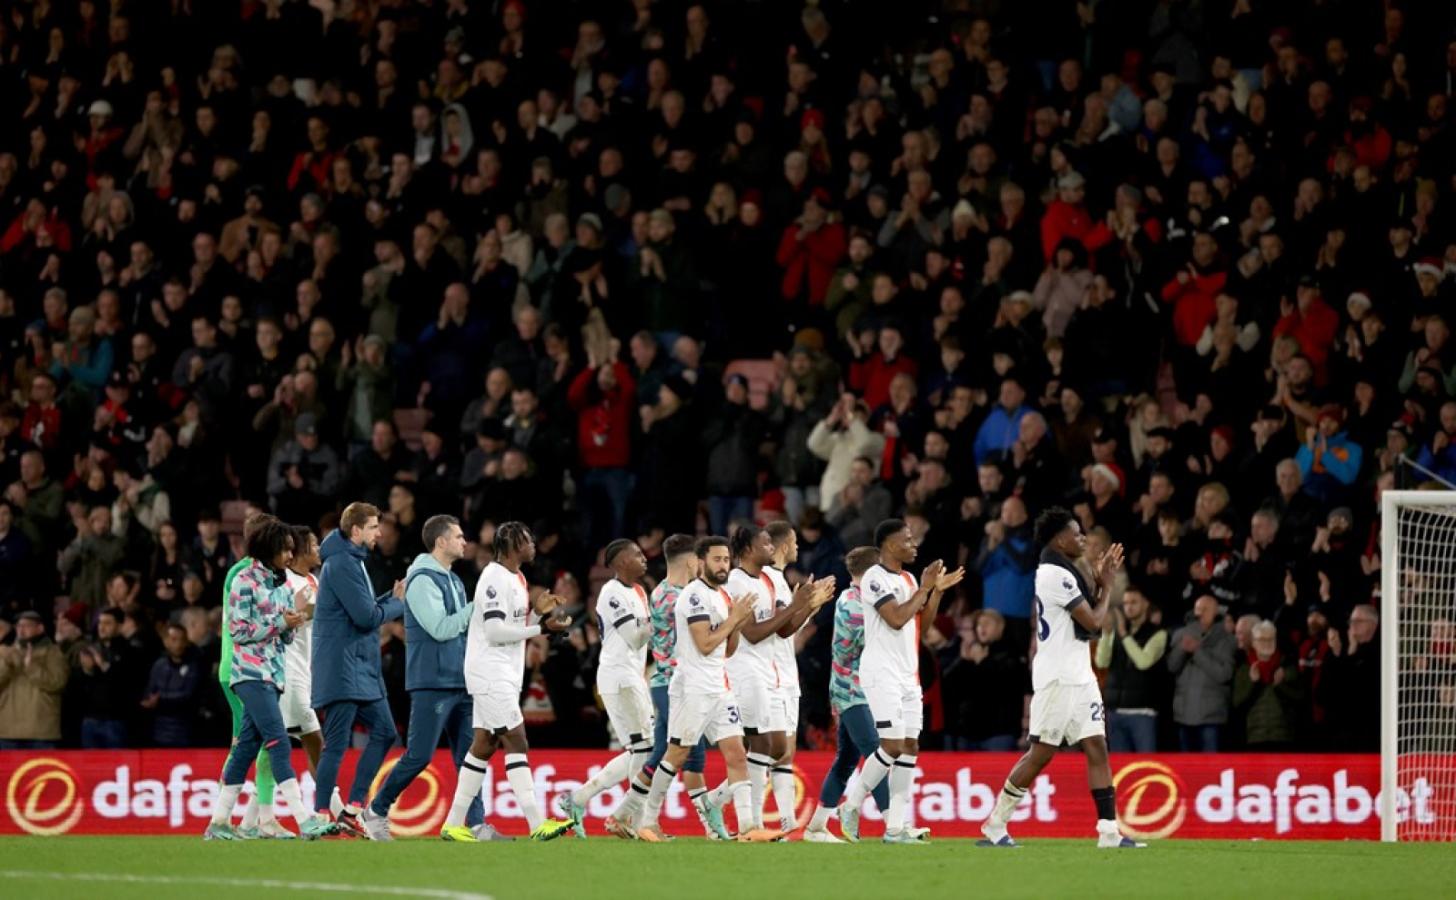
103,734
1132,734
430,713
25,744
339,719
857,740
262,729
605,494
1199,738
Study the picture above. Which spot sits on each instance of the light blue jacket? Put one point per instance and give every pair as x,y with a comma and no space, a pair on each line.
436,615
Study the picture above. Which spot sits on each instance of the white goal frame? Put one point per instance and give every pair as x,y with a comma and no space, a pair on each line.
1390,504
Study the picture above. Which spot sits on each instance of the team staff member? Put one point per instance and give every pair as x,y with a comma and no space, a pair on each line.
436,616
347,681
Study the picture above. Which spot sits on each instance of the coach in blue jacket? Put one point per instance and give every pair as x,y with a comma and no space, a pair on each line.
436,617
347,683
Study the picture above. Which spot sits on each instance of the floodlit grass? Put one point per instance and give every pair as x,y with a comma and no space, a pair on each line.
696,869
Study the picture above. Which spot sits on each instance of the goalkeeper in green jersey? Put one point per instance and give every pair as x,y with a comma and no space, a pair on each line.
259,820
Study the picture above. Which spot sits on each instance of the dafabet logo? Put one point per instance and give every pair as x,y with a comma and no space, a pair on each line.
1153,798
43,797
416,818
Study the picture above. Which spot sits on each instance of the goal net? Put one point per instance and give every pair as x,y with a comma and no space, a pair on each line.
1418,666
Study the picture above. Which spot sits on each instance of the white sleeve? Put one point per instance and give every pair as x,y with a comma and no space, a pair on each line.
499,631
1055,586
491,597
635,632
697,610
877,589
612,611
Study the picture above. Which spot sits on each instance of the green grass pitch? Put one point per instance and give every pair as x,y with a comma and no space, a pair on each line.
696,869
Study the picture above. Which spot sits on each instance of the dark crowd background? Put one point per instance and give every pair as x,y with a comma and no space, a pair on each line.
632,268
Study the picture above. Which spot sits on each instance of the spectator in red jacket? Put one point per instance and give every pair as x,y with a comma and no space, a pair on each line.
1194,291
1066,216
41,424
809,251
311,168
603,397
1310,321
872,374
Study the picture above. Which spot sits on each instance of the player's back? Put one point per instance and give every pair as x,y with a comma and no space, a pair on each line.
619,605
500,595
1062,655
890,655
697,672
754,661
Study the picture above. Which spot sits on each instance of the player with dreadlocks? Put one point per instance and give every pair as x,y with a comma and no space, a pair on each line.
495,658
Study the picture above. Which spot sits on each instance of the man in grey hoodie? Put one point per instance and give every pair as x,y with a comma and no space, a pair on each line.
437,613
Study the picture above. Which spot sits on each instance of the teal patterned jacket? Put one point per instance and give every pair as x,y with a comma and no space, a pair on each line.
255,622
848,644
664,633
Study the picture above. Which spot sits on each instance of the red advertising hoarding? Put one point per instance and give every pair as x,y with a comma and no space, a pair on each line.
1225,796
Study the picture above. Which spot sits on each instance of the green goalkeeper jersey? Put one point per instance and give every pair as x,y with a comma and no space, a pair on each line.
225,664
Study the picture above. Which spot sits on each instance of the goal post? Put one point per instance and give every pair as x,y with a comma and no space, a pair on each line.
1417,677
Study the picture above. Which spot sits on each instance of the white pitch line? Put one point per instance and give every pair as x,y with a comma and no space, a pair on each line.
111,877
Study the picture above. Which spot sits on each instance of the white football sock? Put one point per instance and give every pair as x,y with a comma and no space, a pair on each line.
518,773
1006,803
613,772
720,795
874,770
758,766
661,783
784,797
822,814
631,806
294,798
902,778
467,788
227,798
743,805
251,814
336,803
640,754
699,798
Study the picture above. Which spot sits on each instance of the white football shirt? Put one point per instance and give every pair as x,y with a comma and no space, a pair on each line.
754,661
500,594
784,658
620,665
1061,657
891,657
296,654
696,673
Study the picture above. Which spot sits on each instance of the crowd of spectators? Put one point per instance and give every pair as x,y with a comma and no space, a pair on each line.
634,268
